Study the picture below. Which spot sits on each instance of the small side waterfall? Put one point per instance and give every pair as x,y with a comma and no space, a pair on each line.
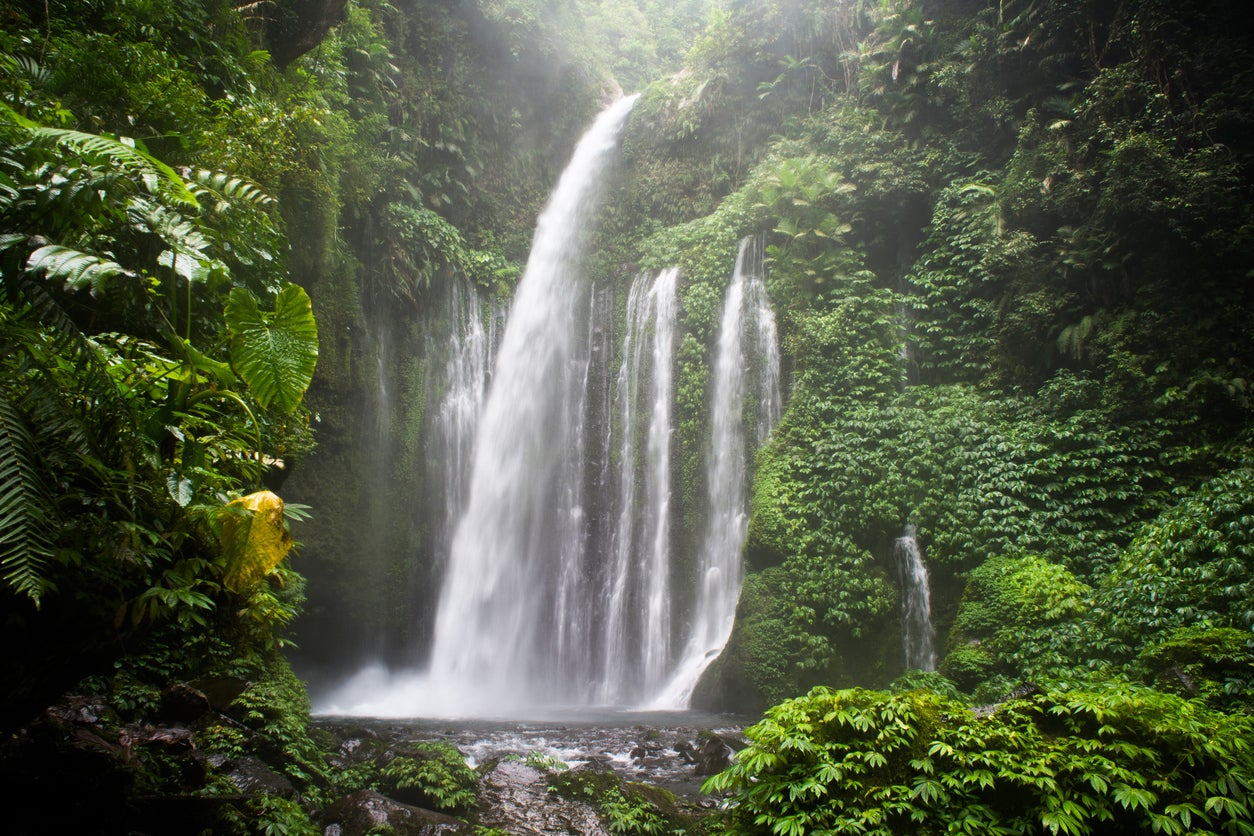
746,314
916,609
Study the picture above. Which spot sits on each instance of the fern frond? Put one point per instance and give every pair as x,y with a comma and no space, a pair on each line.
25,512
178,232
108,416
156,176
225,188
74,268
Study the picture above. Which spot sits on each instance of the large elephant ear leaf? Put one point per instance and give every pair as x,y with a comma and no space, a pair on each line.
274,353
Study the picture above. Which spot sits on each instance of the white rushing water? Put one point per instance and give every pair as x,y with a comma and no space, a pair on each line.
466,355
508,623
511,621
637,617
746,313
917,635
562,584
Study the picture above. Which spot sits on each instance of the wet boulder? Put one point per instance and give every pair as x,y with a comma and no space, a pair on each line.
253,776
516,797
713,754
365,812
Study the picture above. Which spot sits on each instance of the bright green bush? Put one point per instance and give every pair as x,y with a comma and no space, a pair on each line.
1214,663
1123,760
432,774
1018,618
1193,566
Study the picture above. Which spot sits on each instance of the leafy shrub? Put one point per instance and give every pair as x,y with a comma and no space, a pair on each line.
630,817
266,815
277,706
1193,566
1012,621
1214,663
431,774
627,809
545,762
1121,760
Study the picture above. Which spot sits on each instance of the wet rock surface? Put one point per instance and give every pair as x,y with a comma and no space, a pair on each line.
365,812
515,797
675,751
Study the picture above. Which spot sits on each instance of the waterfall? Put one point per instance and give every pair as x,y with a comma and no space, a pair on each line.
562,585
510,620
916,608
637,614
746,313
466,354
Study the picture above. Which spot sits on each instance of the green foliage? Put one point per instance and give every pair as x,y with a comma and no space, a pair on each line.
626,809
545,762
1189,567
275,354
915,680
25,528
1120,760
1018,618
281,817
276,706
266,815
978,478
1214,663
434,774
630,817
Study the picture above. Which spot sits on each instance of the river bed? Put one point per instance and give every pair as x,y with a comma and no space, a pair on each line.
663,748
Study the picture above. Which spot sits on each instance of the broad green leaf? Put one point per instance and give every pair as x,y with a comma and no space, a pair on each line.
274,353
219,372
76,269
180,488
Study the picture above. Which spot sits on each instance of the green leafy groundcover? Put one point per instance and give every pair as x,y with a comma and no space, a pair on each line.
1119,760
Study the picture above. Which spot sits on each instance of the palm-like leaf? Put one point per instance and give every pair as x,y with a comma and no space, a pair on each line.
74,268
25,547
274,353
158,178
224,189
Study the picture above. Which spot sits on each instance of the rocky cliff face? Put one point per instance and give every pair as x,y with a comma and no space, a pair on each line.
293,27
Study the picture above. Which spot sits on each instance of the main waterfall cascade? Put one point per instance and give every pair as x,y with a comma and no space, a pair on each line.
918,639
561,582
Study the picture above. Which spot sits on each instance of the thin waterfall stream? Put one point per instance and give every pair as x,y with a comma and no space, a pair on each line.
746,313
917,636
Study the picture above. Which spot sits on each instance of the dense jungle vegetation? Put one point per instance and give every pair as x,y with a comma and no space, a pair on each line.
1010,248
